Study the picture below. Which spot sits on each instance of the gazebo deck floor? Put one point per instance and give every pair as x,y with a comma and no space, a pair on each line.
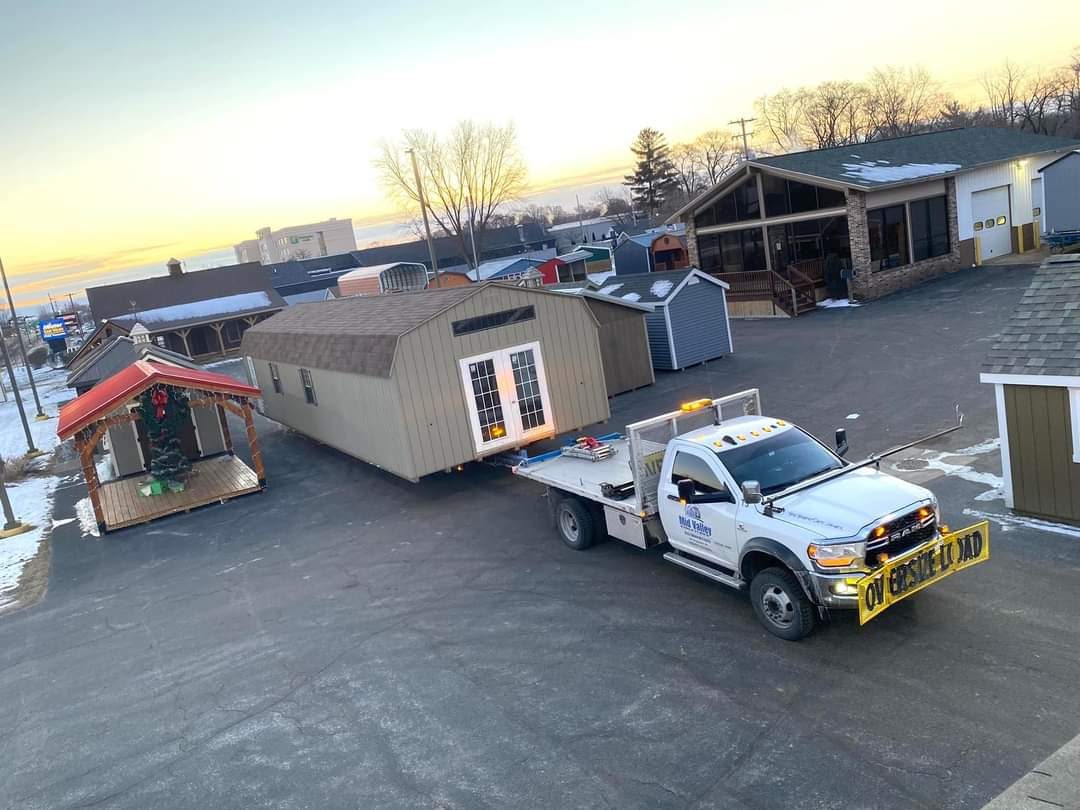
212,480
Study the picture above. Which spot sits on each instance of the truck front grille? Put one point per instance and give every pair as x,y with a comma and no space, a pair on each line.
903,534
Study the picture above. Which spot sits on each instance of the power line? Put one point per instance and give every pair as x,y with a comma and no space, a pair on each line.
742,122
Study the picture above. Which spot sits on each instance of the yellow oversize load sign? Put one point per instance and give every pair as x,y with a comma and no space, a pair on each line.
910,573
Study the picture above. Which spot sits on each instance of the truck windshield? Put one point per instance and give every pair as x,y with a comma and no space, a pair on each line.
780,461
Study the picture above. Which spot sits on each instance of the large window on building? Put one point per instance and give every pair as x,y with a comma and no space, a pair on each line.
929,228
737,205
792,197
888,236
732,251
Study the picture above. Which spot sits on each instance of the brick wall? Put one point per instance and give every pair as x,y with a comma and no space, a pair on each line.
869,283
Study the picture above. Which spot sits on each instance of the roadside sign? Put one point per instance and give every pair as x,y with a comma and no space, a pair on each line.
53,329
910,573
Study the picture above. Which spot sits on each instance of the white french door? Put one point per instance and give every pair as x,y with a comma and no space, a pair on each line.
507,396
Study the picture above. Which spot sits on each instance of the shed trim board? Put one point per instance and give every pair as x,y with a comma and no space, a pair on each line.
1003,437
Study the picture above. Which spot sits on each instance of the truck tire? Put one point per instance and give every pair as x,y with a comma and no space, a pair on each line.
575,523
781,604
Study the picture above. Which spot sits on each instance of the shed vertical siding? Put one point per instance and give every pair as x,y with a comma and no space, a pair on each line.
631,258
699,323
1045,479
1061,195
624,346
1015,174
356,414
659,341
427,370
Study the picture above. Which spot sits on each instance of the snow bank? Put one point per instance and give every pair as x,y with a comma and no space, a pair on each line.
600,278
52,391
210,308
837,303
31,501
877,172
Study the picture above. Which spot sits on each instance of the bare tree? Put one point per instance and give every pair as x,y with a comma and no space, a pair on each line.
900,101
780,116
718,154
1044,106
466,176
619,209
835,113
686,159
1002,93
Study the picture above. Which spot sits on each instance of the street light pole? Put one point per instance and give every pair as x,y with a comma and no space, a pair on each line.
30,449
22,346
423,210
12,525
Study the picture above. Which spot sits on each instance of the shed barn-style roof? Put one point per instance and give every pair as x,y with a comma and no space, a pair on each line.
1042,337
110,394
356,335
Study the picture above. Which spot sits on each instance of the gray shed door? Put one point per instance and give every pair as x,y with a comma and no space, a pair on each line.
507,397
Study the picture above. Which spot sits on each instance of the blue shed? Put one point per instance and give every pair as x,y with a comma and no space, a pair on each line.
653,251
688,322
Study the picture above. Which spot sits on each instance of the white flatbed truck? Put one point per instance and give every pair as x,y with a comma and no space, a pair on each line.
758,504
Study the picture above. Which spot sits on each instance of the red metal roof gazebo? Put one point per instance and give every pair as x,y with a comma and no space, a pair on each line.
109,403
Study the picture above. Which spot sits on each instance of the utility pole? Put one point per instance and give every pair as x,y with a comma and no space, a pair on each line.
423,210
472,238
12,525
580,222
742,122
22,345
31,450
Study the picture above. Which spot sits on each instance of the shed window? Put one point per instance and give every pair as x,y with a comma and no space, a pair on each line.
929,228
309,387
275,377
888,236
480,323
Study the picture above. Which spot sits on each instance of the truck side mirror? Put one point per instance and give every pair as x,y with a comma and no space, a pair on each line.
841,442
686,490
751,491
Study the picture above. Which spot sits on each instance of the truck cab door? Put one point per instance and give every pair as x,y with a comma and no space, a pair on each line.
704,528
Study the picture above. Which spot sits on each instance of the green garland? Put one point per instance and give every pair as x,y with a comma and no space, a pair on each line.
177,412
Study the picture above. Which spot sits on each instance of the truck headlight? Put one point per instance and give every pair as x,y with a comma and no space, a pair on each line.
841,555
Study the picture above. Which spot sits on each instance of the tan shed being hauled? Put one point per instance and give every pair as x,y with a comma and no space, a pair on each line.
420,382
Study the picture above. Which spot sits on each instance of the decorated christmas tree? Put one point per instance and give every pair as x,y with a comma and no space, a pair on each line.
163,411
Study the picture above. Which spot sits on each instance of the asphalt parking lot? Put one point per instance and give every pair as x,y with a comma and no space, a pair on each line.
347,639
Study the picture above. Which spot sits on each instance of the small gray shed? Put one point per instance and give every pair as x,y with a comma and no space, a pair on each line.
1061,194
420,382
688,319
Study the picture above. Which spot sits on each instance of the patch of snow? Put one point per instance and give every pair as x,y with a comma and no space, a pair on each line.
600,278
53,391
31,501
1010,522
853,416
631,297
104,468
84,511
873,172
837,303
609,289
210,308
660,289
935,460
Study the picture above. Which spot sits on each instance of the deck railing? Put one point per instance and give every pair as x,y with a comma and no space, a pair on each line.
762,285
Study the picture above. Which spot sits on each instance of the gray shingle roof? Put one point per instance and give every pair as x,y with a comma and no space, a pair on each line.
356,335
644,288
117,354
915,157
1042,336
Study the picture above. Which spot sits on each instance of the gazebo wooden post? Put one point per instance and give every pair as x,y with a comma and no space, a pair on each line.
225,432
253,443
85,448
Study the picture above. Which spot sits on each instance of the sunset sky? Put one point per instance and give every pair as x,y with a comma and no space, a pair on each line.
137,131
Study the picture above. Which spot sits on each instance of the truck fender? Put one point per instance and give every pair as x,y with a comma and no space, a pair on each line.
770,547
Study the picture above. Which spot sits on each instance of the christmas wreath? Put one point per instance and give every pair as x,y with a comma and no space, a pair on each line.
164,410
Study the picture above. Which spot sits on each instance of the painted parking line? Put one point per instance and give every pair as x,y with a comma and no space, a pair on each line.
1054,783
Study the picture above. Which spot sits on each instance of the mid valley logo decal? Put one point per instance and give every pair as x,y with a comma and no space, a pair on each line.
693,524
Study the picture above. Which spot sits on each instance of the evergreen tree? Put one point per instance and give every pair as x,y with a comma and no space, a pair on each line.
654,179
163,411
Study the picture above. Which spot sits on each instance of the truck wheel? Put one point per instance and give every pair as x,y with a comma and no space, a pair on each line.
575,523
781,604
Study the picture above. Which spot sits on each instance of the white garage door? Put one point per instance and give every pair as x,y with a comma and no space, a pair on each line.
990,212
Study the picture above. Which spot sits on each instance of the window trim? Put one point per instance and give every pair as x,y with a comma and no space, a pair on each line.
476,323
308,384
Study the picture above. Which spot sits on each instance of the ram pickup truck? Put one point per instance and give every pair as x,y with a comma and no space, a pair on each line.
758,504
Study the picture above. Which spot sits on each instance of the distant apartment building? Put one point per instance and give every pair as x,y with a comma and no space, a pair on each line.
327,238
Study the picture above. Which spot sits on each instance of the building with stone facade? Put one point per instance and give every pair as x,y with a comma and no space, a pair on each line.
869,219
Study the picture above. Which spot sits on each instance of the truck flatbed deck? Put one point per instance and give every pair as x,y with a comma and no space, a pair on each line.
586,478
